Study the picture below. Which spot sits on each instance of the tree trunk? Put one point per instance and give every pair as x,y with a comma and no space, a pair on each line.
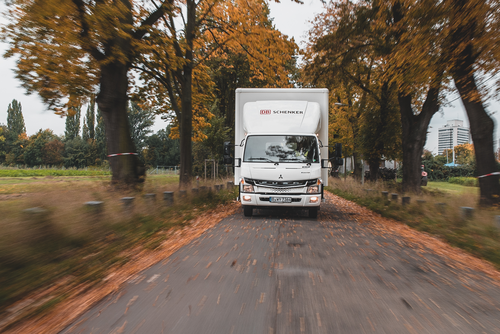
481,126
112,102
414,136
374,166
186,121
185,131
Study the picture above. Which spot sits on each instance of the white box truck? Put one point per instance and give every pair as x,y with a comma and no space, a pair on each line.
281,148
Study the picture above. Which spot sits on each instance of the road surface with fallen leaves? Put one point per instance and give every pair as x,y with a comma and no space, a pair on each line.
349,271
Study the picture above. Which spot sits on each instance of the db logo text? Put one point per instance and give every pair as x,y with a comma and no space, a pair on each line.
265,111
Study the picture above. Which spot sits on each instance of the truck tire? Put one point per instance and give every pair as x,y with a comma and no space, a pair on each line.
247,211
313,212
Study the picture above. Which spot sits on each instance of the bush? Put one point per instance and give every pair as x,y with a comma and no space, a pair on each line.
464,181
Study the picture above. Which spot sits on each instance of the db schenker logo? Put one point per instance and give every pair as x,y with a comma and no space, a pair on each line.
265,111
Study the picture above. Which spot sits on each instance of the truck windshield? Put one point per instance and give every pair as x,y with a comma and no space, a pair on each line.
298,149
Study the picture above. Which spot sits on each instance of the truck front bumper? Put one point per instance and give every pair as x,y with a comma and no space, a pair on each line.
305,200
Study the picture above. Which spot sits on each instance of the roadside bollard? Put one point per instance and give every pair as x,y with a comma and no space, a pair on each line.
394,196
421,201
230,185
35,212
203,189
94,210
466,212
39,224
94,207
150,198
385,194
168,198
194,190
216,187
405,200
128,204
368,192
441,207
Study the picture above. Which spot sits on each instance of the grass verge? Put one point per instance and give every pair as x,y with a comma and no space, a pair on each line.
51,172
439,215
68,243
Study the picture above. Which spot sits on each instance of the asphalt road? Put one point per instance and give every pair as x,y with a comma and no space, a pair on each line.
281,272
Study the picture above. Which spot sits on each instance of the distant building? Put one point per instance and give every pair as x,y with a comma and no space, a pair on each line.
452,134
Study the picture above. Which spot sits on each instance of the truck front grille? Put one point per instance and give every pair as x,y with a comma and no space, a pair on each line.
286,184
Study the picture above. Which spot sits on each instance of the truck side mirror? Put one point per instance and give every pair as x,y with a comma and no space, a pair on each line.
227,159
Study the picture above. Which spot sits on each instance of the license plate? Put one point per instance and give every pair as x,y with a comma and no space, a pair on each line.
281,200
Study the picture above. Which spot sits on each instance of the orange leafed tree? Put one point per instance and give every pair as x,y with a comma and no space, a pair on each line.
67,49
348,55
174,61
457,40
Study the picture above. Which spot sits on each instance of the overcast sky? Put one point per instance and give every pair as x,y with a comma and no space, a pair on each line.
289,17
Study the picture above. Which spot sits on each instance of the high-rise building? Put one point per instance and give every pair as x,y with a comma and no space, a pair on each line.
452,134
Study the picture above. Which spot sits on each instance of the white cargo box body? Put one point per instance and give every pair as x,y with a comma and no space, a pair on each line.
295,117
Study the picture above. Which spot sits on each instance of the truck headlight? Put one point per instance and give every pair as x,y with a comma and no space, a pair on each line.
313,189
247,188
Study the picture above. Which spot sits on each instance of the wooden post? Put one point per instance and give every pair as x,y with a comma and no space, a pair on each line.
168,198
128,204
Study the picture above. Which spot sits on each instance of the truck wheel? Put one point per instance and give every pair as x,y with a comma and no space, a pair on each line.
313,213
247,211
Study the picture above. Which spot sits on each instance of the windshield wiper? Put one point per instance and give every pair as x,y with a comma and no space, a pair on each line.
261,159
293,159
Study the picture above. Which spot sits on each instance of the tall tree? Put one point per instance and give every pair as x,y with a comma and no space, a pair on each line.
3,142
174,62
71,47
419,76
15,120
472,49
351,57
437,40
72,129
88,131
